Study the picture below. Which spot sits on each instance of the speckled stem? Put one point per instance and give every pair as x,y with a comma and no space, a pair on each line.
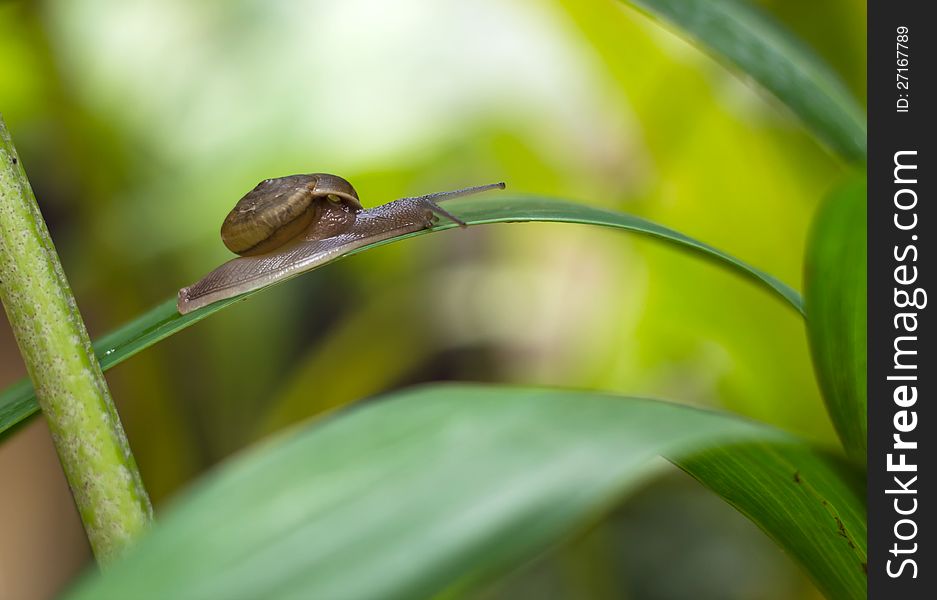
70,386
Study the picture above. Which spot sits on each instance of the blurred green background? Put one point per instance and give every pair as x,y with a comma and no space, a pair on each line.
141,123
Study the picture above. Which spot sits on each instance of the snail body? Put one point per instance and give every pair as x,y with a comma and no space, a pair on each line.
288,225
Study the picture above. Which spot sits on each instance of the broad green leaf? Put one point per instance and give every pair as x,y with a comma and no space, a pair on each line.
18,402
738,33
835,293
441,488
810,504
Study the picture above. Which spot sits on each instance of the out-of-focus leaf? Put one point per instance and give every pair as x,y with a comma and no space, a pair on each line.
441,488
18,402
812,505
742,35
835,294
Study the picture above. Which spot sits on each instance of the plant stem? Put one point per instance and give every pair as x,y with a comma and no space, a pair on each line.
69,384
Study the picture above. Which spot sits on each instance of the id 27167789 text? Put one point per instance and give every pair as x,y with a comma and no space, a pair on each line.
903,60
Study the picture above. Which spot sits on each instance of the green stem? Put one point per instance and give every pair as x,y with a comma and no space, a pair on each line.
69,384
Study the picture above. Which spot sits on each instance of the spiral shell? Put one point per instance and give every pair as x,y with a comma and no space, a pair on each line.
278,210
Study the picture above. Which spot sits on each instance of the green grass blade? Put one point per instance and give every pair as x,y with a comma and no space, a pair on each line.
441,488
813,506
17,402
743,36
835,292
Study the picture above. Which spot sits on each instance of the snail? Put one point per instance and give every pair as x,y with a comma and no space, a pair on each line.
288,225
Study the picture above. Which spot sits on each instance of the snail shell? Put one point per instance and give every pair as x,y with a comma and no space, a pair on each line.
277,210
286,226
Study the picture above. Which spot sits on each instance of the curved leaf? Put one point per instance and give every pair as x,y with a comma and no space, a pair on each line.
810,504
742,35
18,403
835,290
444,487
